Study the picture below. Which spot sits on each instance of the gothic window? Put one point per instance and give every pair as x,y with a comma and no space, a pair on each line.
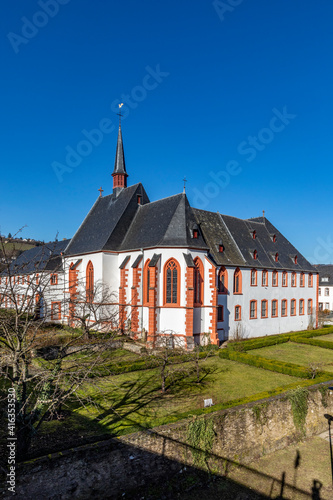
222,281
90,282
198,282
171,281
146,282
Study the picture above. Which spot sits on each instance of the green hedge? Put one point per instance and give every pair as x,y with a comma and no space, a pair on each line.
311,341
270,364
248,345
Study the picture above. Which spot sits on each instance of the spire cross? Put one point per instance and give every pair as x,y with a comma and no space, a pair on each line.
100,191
185,181
119,114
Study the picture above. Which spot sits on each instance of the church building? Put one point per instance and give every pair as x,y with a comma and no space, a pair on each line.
192,272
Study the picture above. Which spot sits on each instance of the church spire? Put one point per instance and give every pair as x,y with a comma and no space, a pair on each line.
119,172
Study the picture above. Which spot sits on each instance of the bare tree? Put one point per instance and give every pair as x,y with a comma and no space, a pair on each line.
31,294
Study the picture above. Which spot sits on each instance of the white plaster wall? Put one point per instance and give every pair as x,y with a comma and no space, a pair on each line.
326,299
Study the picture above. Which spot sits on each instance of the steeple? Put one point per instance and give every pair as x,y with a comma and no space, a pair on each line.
119,172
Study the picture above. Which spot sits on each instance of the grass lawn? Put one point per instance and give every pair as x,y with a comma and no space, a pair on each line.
328,337
300,354
137,402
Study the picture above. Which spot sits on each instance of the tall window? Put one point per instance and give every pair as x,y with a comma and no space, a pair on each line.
310,306
301,307
284,278
146,282
319,291
301,279
254,277
238,313
237,281
274,278
274,308
253,309
284,307
222,281
293,307
310,280
171,282
90,282
264,278
55,310
220,313
327,292
293,279
264,308
198,282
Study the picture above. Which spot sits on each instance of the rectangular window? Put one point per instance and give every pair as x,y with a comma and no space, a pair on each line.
54,279
253,277
237,313
310,280
284,308
264,308
293,307
220,313
253,309
264,278
274,308
319,291
327,306
301,307
310,306
301,279
275,278
284,279
327,292
55,311
293,279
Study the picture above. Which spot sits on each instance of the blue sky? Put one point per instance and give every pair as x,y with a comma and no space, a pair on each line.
236,95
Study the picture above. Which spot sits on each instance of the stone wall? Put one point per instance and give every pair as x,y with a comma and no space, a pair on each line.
110,468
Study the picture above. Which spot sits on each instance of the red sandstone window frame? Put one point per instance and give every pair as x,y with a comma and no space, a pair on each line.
264,313
238,313
293,307
293,279
284,304
198,282
276,303
275,278
90,282
222,286
255,309
264,278
255,255
56,311
171,264
301,280
301,307
310,280
254,277
310,306
220,314
237,281
284,278
146,283
54,279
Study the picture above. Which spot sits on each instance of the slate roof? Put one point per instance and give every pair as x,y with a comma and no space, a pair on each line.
325,271
106,224
236,236
119,163
42,258
164,223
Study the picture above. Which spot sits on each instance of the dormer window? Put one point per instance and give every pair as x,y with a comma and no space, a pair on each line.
221,248
255,255
274,238
195,234
295,259
254,235
276,257
139,198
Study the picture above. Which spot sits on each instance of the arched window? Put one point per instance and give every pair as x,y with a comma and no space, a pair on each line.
284,306
301,307
198,282
146,282
264,308
274,278
255,255
222,281
293,307
171,282
253,277
276,257
237,281
90,282
284,278
274,308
